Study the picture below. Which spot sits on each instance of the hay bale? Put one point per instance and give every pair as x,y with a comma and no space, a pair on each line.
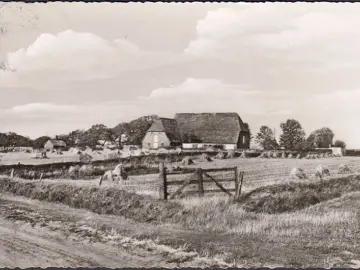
73,170
322,171
230,154
243,155
57,173
297,173
205,158
87,170
170,169
187,161
85,158
220,155
263,155
344,169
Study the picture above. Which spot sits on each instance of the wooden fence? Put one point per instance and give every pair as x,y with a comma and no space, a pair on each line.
202,176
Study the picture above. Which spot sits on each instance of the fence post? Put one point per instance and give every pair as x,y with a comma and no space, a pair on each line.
236,178
240,183
162,182
200,181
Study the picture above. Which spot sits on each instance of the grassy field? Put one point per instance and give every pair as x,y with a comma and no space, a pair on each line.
277,222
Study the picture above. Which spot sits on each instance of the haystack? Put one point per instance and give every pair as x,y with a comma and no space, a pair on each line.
298,156
290,155
86,170
73,170
220,155
187,161
230,154
243,155
170,169
120,172
274,154
283,155
344,169
85,158
263,155
297,173
322,171
205,158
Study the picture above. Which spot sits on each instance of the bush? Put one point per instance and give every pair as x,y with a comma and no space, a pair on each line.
352,152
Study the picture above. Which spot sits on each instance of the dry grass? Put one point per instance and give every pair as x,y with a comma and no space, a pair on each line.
303,224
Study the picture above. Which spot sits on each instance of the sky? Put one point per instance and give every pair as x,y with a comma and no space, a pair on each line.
68,66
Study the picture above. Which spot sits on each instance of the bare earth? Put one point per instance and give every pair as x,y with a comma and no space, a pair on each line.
40,234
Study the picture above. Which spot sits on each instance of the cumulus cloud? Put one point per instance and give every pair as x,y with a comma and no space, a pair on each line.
301,31
202,88
70,49
71,55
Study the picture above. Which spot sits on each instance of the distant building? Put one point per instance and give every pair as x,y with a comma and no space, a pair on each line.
198,130
162,133
54,144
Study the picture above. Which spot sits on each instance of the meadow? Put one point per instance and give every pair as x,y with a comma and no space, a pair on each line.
278,221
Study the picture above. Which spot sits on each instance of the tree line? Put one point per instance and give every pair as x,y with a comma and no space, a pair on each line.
293,137
96,135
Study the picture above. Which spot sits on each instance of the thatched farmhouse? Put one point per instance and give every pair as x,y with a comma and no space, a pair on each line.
54,144
162,133
198,130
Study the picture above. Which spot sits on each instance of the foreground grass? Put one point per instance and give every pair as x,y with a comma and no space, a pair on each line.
293,225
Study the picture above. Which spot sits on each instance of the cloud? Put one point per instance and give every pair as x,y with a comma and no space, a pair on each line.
42,108
78,56
69,50
298,32
201,88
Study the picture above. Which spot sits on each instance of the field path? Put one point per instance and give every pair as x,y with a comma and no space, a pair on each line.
40,234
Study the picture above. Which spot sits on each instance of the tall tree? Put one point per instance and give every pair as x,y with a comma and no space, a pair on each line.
339,143
323,137
293,135
266,138
39,142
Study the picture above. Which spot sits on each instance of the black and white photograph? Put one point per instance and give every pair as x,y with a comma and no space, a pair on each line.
176,135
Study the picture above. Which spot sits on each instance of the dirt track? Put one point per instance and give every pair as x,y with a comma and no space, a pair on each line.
44,235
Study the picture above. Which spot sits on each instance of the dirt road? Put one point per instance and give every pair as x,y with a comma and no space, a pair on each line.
34,234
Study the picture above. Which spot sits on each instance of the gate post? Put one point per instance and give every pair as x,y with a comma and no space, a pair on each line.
162,182
200,181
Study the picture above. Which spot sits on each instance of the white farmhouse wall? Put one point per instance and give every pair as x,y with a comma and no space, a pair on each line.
155,138
230,146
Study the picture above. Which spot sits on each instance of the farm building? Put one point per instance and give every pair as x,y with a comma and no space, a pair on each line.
53,144
208,129
162,133
192,130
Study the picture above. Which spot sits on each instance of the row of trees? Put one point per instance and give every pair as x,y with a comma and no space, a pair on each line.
129,133
293,137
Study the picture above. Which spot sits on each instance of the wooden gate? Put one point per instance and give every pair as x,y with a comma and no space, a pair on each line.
198,177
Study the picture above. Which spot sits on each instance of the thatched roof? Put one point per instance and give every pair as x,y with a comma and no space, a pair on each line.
167,125
217,128
57,143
